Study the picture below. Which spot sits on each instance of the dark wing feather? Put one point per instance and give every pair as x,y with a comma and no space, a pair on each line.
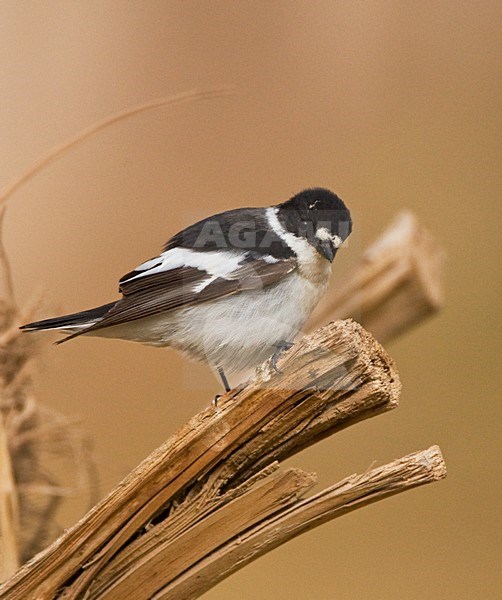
241,229
168,290
173,279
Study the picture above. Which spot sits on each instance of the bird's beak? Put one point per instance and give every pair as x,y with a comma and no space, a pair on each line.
327,249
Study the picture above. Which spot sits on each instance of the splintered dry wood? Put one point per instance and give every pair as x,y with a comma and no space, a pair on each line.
396,284
335,377
354,492
171,549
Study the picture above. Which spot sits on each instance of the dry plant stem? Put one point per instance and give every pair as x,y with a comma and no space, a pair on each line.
59,150
33,435
5,265
330,379
9,513
9,502
352,493
396,284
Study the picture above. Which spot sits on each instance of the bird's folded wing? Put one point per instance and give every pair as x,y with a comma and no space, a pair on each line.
155,289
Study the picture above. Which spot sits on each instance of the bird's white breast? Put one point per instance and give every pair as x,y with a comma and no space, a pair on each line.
240,331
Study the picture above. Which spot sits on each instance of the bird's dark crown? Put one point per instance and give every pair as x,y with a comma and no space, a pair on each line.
313,208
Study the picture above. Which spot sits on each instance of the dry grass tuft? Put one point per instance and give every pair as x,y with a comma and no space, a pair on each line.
37,438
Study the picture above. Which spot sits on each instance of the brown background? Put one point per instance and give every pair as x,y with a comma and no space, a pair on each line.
390,103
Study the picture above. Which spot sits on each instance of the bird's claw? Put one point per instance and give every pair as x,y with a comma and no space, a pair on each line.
280,348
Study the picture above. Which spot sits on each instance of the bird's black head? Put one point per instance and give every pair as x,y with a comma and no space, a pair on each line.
319,216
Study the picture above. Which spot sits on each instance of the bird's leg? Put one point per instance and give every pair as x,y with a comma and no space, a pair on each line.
225,385
224,379
280,348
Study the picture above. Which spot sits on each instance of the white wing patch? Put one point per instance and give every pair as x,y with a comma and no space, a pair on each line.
217,263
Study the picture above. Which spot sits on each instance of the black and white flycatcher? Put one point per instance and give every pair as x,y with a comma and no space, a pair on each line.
230,289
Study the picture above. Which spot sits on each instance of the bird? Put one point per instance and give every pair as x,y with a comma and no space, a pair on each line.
233,289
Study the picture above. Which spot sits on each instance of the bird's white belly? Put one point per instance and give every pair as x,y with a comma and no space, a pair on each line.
235,332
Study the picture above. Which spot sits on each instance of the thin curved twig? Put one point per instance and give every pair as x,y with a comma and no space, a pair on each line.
57,151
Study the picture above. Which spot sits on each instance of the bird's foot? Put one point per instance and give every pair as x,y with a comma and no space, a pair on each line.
281,347
224,379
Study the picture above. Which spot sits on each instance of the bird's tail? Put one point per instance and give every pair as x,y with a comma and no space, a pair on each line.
74,323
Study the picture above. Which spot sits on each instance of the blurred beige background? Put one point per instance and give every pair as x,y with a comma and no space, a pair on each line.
391,104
